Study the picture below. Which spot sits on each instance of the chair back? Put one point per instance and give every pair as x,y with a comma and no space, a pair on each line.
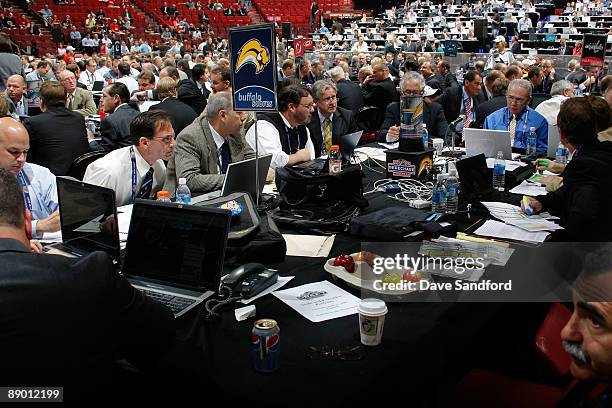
548,339
79,165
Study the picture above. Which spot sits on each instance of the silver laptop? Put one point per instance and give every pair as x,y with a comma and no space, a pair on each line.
175,252
240,178
488,142
553,140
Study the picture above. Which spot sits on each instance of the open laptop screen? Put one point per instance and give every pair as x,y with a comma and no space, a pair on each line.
177,245
88,217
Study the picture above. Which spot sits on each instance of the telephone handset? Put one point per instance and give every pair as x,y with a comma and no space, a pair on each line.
250,279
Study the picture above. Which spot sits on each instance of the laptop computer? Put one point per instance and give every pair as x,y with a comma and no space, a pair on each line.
175,252
553,140
487,141
88,219
347,144
97,86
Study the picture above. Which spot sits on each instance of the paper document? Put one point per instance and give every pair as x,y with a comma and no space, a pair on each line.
282,281
313,246
371,152
493,253
511,165
498,229
124,215
535,224
50,237
504,211
319,301
529,189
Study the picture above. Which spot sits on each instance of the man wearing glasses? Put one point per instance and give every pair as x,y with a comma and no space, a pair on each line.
413,84
284,134
329,121
89,76
137,171
77,99
517,117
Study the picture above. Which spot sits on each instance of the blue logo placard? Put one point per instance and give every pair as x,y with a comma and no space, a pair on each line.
253,67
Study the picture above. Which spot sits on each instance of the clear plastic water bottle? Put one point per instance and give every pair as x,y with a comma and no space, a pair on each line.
323,150
438,197
425,136
499,172
532,140
452,192
183,194
163,196
561,155
335,160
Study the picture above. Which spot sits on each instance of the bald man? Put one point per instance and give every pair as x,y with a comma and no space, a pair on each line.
37,182
15,90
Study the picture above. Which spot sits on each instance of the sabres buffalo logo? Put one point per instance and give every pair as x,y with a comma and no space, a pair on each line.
252,52
425,167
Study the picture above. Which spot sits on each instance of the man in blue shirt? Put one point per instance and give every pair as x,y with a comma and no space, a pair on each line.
38,183
517,117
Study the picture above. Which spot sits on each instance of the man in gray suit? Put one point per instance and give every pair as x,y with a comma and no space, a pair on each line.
115,127
15,90
205,148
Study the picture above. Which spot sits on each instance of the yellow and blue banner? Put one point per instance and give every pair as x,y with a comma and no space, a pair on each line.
253,67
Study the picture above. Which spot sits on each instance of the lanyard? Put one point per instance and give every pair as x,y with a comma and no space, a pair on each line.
25,182
133,159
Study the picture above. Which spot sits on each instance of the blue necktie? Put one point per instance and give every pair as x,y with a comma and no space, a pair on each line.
225,157
147,184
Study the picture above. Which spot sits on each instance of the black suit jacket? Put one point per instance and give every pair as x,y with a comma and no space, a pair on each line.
189,93
451,102
343,122
349,95
432,115
182,115
115,129
488,107
380,94
57,137
65,320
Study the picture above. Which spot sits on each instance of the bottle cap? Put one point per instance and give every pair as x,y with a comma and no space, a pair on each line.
334,147
163,194
182,180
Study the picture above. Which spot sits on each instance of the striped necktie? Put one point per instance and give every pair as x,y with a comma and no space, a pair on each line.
468,116
147,185
512,129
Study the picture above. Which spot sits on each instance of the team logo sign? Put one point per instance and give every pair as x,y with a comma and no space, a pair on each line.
252,52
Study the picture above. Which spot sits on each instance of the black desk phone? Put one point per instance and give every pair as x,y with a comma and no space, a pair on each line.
250,279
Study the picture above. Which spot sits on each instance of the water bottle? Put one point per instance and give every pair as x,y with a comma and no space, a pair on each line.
425,136
323,150
532,141
335,160
438,197
163,196
561,155
183,194
499,172
452,192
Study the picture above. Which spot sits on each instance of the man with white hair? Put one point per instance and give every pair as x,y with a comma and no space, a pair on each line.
560,91
517,117
206,147
349,93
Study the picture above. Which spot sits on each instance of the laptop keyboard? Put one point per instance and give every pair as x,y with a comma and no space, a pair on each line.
176,303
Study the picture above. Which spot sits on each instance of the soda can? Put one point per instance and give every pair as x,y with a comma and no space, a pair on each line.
265,345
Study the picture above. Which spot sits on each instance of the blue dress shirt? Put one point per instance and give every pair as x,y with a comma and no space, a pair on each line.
500,120
43,193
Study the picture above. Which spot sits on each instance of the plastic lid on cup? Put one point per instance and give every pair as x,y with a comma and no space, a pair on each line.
182,180
372,307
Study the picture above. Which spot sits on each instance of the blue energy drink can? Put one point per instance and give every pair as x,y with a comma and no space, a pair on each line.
265,345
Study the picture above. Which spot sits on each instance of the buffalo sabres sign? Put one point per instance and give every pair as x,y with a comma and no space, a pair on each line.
253,66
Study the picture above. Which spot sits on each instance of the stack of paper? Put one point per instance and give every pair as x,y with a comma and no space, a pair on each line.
511,165
371,152
512,215
498,229
313,246
492,252
529,189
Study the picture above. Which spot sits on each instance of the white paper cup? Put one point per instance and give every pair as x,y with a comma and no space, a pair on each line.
371,321
438,144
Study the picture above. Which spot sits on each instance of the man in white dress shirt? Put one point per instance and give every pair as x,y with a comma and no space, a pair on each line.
89,75
137,171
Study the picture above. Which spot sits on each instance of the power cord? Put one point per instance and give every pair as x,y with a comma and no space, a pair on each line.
415,193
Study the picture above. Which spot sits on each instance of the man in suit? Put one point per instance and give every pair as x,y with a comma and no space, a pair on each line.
69,316
431,80
413,84
77,100
498,101
550,77
463,100
565,49
198,78
349,93
115,127
447,79
378,89
15,90
182,114
57,135
205,148
329,122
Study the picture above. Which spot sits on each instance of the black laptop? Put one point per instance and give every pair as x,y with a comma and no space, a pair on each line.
88,218
175,252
